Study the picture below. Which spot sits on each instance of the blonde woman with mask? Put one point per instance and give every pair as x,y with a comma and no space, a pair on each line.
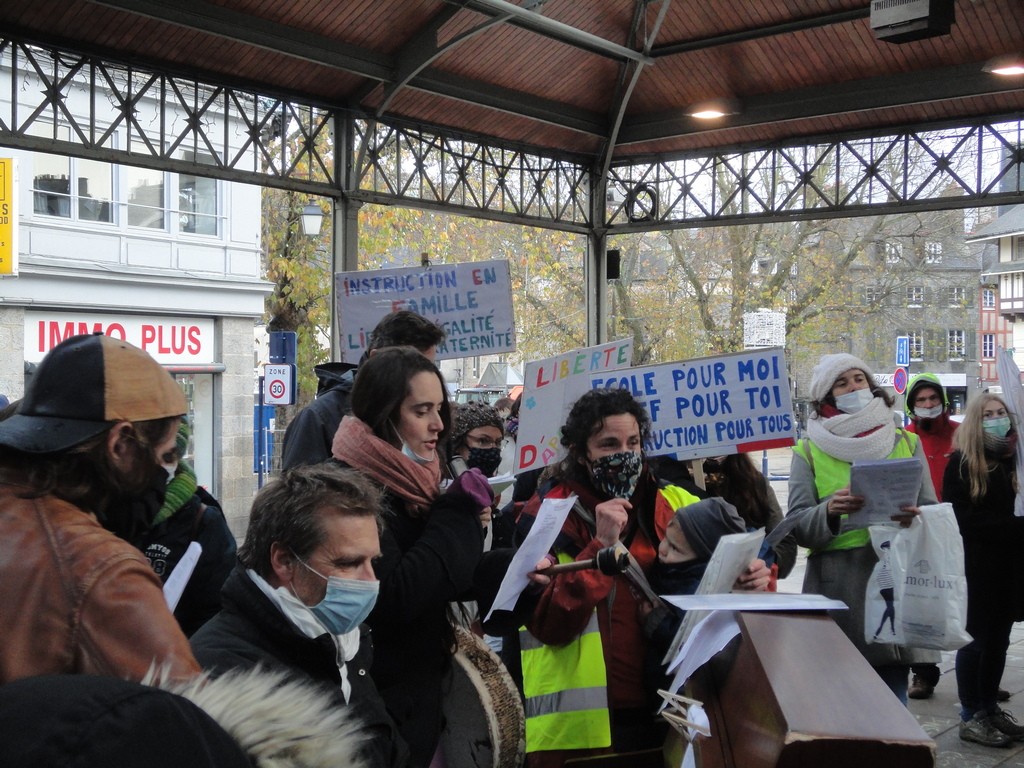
981,483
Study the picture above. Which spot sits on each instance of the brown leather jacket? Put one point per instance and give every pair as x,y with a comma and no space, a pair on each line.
74,598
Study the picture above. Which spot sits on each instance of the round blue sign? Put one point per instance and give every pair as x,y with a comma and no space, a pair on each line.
899,380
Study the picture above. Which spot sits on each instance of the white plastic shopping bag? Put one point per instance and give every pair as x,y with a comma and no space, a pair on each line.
932,592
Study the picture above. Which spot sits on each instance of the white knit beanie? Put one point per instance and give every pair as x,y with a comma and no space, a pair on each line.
828,369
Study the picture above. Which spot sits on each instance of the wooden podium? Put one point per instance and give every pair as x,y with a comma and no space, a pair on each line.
794,691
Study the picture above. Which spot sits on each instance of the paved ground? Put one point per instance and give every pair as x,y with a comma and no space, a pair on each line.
938,716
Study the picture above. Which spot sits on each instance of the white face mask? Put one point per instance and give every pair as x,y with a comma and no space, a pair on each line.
852,402
928,413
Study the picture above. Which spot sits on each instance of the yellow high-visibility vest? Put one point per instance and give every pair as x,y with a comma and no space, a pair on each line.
566,690
831,474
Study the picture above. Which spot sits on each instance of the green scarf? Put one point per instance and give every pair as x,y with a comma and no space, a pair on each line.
181,488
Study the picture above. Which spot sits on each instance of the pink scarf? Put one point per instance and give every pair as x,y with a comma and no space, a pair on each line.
356,445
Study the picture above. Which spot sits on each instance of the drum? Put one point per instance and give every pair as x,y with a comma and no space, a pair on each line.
484,722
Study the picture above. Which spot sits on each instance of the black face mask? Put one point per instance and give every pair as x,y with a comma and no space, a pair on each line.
128,516
484,459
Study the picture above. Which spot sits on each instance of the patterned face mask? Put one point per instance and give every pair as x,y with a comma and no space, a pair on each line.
484,459
617,474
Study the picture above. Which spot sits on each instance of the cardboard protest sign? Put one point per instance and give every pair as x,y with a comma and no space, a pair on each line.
472,302
712,406
550,387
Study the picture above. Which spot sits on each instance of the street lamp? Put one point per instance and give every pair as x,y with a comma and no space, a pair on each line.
312,217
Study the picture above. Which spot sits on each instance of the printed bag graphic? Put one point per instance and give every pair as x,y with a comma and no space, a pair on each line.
929,589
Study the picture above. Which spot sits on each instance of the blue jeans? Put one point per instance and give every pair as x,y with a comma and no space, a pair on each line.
896,676
979,666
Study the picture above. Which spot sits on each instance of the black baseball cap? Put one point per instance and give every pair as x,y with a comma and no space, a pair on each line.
85,385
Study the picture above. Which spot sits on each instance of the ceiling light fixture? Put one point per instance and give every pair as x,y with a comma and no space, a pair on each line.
1007,66
713,109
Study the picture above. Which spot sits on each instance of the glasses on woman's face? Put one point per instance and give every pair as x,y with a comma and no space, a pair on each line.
485,441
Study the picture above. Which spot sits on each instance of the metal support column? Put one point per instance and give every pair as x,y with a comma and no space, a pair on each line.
345,245
596,267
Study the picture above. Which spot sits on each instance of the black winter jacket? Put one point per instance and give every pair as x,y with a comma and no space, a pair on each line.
309,436
426,563
251,631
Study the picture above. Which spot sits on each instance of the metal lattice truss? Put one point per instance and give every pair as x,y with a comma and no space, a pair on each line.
951,167
53,100
427,167
63,102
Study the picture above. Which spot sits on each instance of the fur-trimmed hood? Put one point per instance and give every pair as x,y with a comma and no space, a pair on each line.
278,721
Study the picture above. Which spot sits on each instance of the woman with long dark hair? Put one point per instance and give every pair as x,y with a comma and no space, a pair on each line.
980,482
583,657
431,544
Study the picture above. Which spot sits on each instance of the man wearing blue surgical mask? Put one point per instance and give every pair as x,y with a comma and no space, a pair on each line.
304,584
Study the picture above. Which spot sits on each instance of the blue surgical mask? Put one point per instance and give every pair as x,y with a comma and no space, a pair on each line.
413,455
855,401
999,426
346,603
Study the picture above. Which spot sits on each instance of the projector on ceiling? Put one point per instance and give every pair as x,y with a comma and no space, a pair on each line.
900,21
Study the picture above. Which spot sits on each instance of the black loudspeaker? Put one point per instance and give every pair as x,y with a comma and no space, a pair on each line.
612,264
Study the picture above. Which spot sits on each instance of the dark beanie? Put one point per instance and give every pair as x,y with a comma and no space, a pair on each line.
706,521
469,416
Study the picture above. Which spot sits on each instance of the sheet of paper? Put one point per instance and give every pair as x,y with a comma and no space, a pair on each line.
755,601
176,582
709,636
733,553
538,541
500,482
886,485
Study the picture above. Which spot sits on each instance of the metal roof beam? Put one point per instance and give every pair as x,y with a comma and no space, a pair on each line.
962,81
243,28
556,30
759,33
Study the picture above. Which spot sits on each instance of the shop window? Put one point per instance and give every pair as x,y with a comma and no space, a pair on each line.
197,205
916,345
955,345
146,202
72,188
988,345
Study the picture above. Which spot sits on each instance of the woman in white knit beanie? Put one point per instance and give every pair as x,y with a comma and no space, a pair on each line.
851,420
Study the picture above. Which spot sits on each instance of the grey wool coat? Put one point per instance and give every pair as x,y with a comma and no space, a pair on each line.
844,574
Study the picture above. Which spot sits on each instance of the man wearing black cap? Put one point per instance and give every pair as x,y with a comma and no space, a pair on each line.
90,436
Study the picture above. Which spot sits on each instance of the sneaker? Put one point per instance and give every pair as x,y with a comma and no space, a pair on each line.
980,731
1007,724
919,689
1002,695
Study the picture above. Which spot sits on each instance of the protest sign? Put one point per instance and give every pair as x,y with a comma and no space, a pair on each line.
471,302
712,406
550,387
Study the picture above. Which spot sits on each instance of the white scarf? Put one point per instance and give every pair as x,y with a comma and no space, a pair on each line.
305,621
837,436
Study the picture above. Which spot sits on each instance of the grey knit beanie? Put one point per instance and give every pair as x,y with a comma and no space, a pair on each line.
706,521
828,369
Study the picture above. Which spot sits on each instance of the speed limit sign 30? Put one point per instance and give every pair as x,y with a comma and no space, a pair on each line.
279,385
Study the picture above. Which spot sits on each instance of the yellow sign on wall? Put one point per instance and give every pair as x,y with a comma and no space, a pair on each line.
8,217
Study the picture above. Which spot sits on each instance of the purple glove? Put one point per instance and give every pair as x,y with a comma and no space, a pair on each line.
474,486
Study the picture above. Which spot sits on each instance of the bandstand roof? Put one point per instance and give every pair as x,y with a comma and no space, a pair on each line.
571,76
